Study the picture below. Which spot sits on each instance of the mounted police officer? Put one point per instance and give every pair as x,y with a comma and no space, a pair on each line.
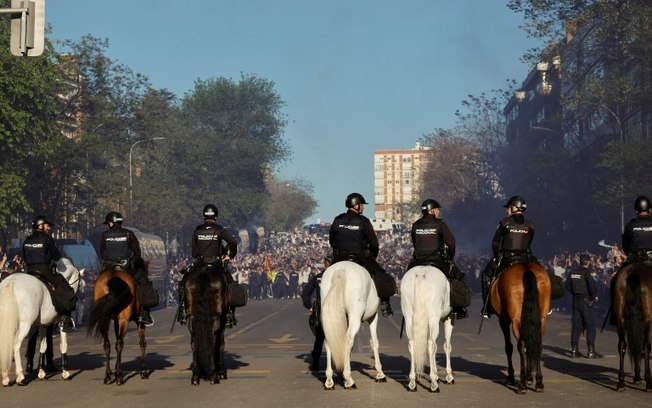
434,245
40,252
120,249
353,238
581,285
211,245
510,245
637,237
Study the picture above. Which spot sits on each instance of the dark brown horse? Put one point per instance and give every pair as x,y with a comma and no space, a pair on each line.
114,298
520,297
631,299
206,302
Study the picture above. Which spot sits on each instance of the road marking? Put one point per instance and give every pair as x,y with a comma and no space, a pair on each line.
286,338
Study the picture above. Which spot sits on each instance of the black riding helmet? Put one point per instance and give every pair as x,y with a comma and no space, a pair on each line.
114,217
354,199
40,220
642,203
210,212
429,205
518,202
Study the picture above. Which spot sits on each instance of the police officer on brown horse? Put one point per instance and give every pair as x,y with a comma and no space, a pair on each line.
510,245
434,245
40,252
119,248
637,237
353,238
211,245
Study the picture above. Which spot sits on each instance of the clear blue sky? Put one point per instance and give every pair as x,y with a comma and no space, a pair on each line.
356,75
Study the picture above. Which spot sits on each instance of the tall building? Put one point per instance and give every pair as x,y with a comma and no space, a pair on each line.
397,178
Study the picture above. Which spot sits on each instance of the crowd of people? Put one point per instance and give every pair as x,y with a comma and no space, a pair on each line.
285,262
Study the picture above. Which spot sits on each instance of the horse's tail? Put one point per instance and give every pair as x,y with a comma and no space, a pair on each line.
420,320
8,325
202,335
107,306
634,321
531,319
333,317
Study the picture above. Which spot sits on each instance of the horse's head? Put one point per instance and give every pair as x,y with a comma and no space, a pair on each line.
70,272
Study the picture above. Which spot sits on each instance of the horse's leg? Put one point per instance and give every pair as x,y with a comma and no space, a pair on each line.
622,348
522,385
354,327
212,365
43,347
432,357
329,384
144,373
219,349
120,331
648,375
373,327
448,349
23,330
194,379
509,349
63,347
412,384
107,353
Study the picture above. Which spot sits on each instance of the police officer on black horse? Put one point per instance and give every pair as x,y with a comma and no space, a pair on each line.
434,245
353,238
40,253
211,245
510,245
119,248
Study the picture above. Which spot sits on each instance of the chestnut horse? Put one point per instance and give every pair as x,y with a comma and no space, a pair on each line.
206,303
520,296
631,299
114,298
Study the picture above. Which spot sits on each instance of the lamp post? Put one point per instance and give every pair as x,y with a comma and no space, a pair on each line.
131,182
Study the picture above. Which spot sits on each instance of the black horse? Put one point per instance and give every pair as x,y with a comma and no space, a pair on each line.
631,302
206,303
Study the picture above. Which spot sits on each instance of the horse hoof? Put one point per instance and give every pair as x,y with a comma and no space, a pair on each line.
331,388
351,387
65,375
21,383
144,375
521,391
41,374
414,389
435,391
107,380
381,380
194,381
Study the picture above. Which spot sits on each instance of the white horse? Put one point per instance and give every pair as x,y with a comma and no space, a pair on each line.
425,300
25,301
348,298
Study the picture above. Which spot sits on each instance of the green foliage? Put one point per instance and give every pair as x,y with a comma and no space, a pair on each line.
290,203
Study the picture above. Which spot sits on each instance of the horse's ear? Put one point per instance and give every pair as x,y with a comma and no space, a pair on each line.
81,271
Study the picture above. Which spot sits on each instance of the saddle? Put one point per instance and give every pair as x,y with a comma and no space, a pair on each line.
63,296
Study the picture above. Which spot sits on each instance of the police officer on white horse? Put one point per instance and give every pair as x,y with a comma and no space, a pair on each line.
40,252
120,248
353,238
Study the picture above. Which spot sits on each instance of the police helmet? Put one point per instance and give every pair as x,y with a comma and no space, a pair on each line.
429,205
114,217
354,199
210,212
518,202
40,220
642,203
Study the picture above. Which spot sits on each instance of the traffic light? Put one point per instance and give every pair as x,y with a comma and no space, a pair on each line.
27,27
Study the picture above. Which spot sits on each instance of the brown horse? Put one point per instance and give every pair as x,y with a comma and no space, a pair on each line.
631,297
114,298
206,303
520,297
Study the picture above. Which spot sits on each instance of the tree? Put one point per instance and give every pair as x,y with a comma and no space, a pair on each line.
290,203
237,130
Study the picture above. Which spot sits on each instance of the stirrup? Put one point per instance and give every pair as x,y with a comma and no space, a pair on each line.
146,318
66,324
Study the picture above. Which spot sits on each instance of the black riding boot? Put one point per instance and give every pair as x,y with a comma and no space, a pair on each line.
231,321
67,324
386,307
592,353
575,352
145,317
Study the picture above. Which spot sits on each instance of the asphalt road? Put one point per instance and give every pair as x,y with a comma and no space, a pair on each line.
267,358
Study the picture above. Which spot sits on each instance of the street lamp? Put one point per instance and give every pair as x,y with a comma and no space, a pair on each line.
131,182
